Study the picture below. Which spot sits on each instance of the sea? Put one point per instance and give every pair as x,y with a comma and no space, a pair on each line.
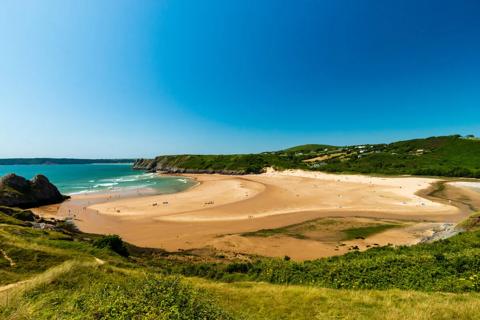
73,179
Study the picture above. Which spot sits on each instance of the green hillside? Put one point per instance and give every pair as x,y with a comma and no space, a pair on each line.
57,273
226,164
450,156
314,148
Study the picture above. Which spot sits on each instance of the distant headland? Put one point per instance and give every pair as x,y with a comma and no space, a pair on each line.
448,156
30,161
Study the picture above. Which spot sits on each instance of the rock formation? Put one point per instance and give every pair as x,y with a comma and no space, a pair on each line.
16,191
176,165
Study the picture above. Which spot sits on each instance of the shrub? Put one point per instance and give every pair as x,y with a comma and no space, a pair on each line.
112,242
20,214
67,226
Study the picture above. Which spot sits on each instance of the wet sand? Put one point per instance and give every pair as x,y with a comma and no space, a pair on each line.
215,212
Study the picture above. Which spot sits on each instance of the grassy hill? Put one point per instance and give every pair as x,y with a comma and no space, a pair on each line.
225,164
311,148
62,274
451,156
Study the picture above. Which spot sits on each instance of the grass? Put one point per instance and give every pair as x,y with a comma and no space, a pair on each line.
35,251
20,287
7,219
322,228
86,291
64,276
249,300
471,223
285,231
273,232
364,232
450,265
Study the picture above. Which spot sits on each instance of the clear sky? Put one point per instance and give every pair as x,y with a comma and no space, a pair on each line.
142,78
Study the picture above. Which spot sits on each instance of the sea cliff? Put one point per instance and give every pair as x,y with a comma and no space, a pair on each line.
199,164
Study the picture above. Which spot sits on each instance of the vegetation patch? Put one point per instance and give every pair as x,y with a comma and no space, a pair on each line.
471,223
27,262
20,214
450,265
106,293
285,231
261,301
364,232
328,229
7,219
112,242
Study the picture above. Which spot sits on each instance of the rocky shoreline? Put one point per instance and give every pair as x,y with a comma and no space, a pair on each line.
444,231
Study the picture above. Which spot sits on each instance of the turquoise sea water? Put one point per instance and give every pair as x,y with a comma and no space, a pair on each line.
84,178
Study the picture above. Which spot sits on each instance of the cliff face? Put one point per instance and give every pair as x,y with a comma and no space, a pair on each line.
145,164
185,164
16,191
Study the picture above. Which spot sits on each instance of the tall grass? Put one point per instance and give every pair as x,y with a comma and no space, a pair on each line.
254,301
89,291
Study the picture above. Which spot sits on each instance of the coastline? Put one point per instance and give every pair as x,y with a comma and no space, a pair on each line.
218,209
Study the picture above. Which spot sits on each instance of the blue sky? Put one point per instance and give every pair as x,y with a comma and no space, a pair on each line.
142,78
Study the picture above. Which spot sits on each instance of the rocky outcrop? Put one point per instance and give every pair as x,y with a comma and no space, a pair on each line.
16,191
174,165
175,170
145,164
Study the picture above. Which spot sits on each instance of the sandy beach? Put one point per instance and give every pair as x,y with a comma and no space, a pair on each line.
217,211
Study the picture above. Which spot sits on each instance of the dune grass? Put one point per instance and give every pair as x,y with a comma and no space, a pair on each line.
251,300
90,290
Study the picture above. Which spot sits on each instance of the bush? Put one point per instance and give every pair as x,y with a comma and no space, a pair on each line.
114,243
20,214
67,225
